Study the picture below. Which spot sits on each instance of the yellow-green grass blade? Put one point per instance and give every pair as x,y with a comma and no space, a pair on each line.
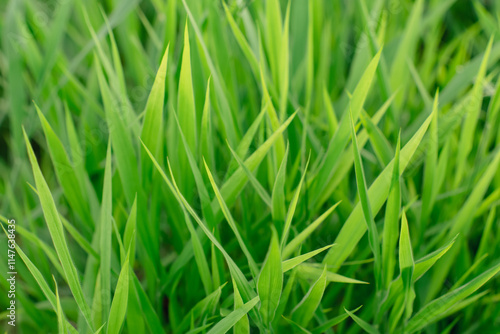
270,282
406,50
152,127
293,262
463,221
200,184
65,172
365,204
253,180
61,320
341,136
406,268
291,209
368,328
486,236
242,42
303,313
227,117
120,300
129,235
310,271
354,228
430,312
185,103
126,160
243,325
206,146
421,267
273,116
429,190
304,234
333,322
246,141
274,35
232,223
55,227
390,234
232,318
278,209
247,291
381,145
347,158
284,64
235,183
105,237
473,109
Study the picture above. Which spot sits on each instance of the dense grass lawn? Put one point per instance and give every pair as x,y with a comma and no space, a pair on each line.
250,166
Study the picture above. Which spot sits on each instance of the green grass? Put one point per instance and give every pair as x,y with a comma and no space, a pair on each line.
239,166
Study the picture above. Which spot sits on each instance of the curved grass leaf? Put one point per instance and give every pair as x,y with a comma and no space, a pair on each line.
429,313
229,321
56,232
303,313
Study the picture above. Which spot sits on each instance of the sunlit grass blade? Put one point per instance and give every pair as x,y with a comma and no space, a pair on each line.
472,113
270,282
56,232
390,235
185,102
278,209
293,262
242,42
354,228
383,149
153,117
129,236
120,300
406,267
65,172
61,325
206,146
365,204
126,161
291,209
406,50
429,190
242,326
105,237
431,311
421,267
341,137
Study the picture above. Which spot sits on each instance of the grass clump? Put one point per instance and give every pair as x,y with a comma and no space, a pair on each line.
266,166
